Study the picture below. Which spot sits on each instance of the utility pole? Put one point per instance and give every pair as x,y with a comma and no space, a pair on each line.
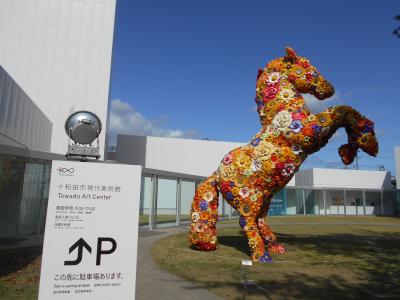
357,160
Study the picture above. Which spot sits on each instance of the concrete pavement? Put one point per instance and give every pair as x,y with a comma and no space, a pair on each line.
152,282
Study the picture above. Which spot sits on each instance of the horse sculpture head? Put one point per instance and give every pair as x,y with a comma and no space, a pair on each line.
305,77
286,77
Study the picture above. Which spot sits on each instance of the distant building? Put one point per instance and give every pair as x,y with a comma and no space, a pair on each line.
397,159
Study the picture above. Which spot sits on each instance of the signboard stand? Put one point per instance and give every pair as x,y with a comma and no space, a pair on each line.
90,244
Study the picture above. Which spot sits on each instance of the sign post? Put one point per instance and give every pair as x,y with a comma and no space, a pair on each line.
90,244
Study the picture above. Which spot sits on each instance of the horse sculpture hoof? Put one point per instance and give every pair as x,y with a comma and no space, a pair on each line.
276,249
265,258
347,153
367,140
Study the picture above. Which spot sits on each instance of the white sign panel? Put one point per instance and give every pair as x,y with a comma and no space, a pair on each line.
90,244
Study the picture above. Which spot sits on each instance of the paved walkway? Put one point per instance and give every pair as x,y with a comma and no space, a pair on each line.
154,283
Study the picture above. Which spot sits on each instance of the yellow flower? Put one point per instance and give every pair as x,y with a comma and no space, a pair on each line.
264,150
286,151
245,209
298,71
275,65
243,161
226,171
323,119
235,191
268,166
285,84
240,181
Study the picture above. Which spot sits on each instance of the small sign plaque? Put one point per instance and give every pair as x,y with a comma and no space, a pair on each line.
247,262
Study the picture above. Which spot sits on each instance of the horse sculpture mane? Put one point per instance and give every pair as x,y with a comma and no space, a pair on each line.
248,176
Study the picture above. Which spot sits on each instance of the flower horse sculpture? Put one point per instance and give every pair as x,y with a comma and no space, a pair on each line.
248,176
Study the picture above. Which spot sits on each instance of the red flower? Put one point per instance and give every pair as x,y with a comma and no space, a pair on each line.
298,115
270,92
304,64
225,186
259,184
214,205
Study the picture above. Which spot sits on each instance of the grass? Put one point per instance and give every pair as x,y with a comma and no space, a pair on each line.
19,273
327,258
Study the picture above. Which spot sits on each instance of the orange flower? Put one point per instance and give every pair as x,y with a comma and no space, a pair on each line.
307,131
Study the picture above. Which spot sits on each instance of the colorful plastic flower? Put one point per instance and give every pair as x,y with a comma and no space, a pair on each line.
264,150
296,126
244,192
282,120
256,165
195,216
255,142
287,94
240,181
227,171
288,169
203,205
273,78
270,92
242,161
208,196
227,159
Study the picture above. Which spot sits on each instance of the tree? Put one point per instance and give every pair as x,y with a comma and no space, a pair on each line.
396,31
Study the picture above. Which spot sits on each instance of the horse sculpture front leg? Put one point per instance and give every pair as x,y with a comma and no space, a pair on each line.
360,132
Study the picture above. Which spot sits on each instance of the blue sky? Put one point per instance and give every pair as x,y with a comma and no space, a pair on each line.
188,68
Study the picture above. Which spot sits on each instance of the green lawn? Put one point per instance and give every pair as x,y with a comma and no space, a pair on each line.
327,258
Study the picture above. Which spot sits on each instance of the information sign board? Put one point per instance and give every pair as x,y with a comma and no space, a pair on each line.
90,243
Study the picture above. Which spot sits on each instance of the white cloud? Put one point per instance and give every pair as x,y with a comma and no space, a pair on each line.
315,105
124,119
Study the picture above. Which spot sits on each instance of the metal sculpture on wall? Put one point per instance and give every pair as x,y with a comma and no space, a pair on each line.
83,127
248,176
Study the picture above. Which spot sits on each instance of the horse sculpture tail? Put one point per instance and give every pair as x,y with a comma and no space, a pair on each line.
204,213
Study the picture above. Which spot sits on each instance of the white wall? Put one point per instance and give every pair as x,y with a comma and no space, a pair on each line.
304,177
195,157
342,178
59,52
187,156
22,123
